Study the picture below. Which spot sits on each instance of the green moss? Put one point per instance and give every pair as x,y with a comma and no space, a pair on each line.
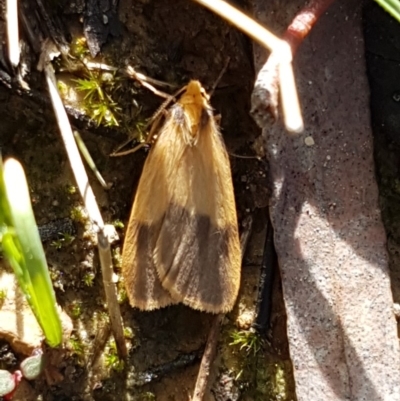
78,214
98,102
117,258
111,358
88,279
3,296
247,340
76,346
147,396
70,189
258,372
65,239
79,48
118,224
75,309
122,295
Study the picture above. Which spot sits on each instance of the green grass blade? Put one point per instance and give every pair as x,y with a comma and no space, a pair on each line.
23,249
86,155
391,6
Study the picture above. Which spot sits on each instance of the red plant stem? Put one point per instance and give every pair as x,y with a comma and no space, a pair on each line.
17,375
264,99
304,21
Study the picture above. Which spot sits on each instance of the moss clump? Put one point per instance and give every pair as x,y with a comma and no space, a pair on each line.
258,372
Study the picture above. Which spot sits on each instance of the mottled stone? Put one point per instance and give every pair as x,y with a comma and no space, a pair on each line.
329,235
18,324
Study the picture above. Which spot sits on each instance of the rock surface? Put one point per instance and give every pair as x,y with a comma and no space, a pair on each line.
18,324
329,236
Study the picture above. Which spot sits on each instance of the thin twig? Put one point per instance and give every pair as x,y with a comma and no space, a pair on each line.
102,334
116,153
132,73
12,32
72,150
111,295
271,76
244,156
293,119
91,65
212,340
243,22
295,33
91,206
208,359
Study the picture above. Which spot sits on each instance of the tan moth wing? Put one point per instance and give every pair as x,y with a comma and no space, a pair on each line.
183,226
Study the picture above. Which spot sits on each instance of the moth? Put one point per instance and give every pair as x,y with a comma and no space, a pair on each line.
182,242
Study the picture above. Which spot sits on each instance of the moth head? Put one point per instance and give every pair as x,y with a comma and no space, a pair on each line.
194,112
195,94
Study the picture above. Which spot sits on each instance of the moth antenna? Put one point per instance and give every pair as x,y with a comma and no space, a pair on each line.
165,104
133,150
147,81
221,74
153,123
244,157
116,152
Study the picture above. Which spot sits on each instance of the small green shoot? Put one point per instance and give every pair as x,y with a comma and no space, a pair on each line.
98,103
79,48
3,296
65,239
128,333
117,258
247,340
103,113
71,189
118,224
75,309
122,295
147,396
88,279
112,360
280,381
140,127
78,214
76,346
103,317
62,88
57,244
